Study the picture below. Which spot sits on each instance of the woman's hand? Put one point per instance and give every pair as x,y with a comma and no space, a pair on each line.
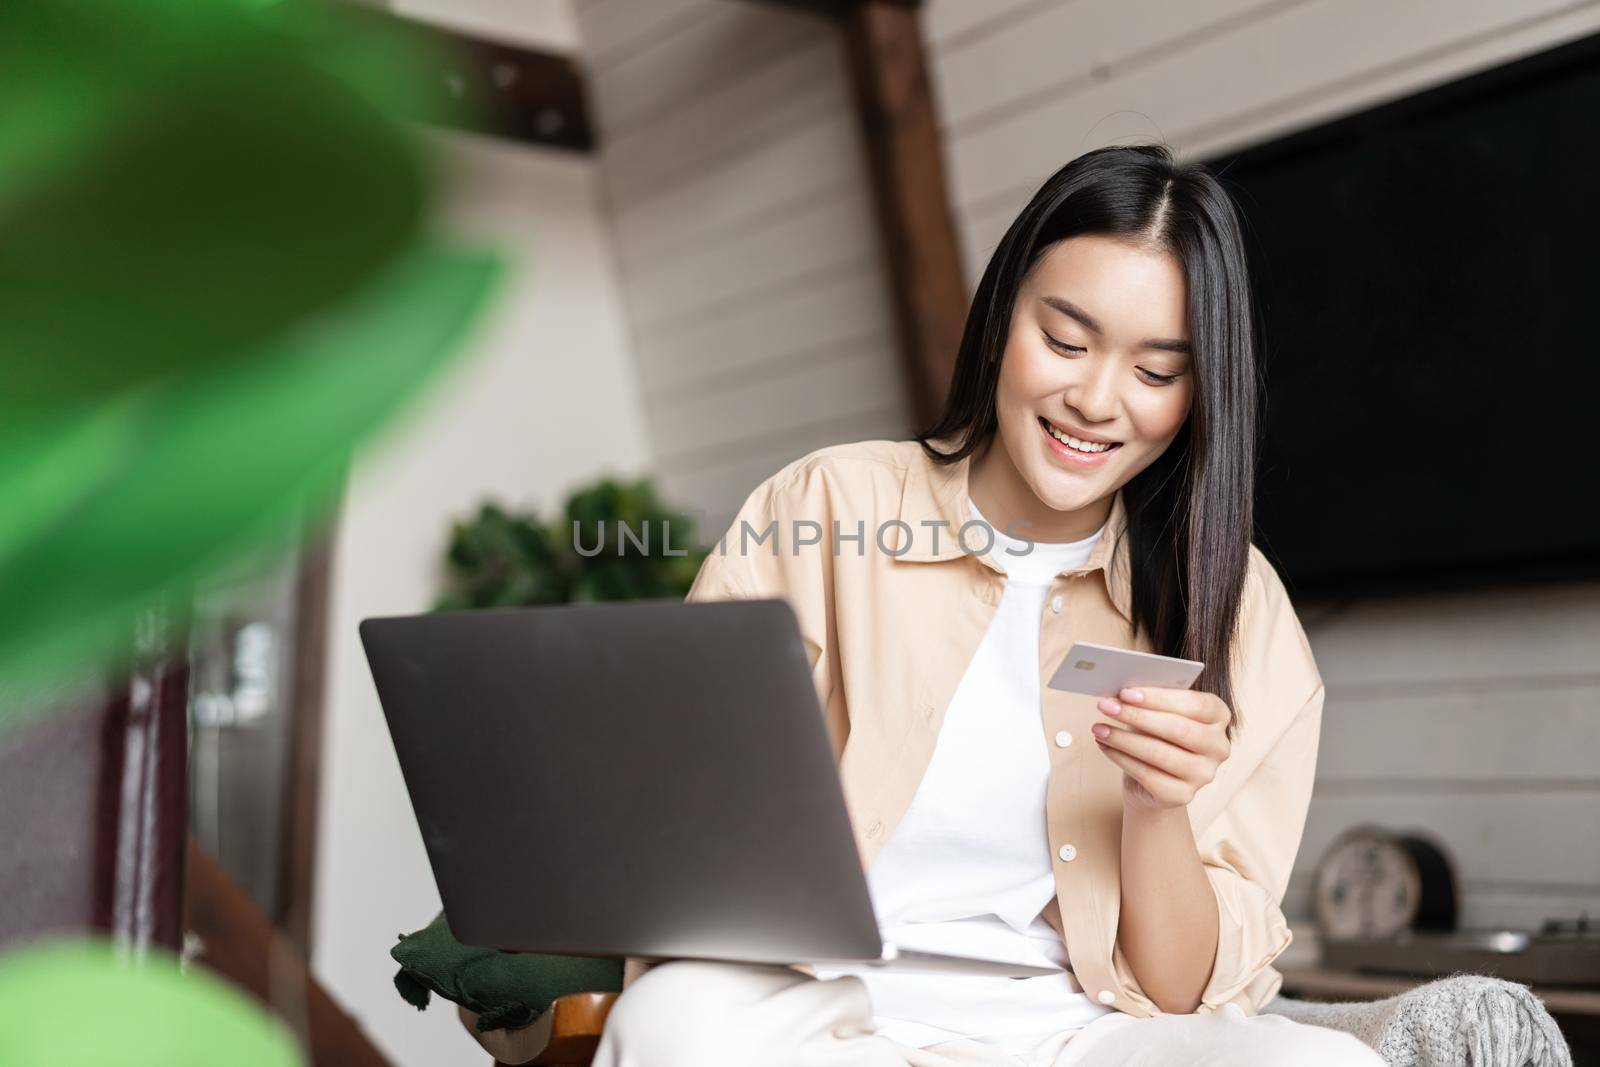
1169,744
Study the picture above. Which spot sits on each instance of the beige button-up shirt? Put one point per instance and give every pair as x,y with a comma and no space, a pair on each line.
864,540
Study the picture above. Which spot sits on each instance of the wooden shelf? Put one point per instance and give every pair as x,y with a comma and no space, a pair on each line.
1315,983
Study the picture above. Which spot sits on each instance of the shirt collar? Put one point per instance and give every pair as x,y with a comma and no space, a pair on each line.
937,493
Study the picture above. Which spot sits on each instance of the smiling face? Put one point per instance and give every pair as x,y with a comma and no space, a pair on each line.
1097,355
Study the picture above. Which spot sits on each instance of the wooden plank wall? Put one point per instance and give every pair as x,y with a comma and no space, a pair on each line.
763,330
761,322
1025,85
1429,722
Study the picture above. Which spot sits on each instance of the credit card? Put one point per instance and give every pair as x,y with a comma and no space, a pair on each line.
1103,671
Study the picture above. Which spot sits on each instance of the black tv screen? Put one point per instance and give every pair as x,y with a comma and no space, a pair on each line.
1428,276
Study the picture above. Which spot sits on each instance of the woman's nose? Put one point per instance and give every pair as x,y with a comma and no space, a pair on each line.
1093,395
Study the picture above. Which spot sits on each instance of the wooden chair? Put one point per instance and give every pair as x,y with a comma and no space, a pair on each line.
564,1036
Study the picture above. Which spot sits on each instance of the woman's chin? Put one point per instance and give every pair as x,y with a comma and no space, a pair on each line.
1064,492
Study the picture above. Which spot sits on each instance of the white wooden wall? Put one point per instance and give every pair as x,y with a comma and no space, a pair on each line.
1025,86
1430,723
763,329
1475,717
761,323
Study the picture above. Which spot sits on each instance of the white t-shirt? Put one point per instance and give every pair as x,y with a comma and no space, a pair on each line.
968,868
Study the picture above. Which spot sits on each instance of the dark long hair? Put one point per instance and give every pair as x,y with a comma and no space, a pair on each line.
1190,513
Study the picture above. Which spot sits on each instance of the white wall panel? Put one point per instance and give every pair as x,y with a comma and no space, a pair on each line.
744,227
1475,716
762,327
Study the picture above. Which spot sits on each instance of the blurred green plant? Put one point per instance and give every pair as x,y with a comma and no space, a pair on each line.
612,542
83,1004
213,282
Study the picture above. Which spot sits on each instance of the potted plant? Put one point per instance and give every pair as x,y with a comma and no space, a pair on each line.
614,541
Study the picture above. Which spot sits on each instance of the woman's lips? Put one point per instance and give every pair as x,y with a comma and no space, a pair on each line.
1071,455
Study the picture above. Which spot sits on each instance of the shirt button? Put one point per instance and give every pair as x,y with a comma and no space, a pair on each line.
1068,853
1107,997
1063,739
1056,604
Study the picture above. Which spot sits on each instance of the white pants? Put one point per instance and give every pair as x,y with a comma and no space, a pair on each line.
685,1013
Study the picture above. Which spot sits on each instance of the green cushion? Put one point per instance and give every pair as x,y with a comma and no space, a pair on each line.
506,989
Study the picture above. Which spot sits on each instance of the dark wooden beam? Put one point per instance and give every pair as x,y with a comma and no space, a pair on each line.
900,127
900,130
499,90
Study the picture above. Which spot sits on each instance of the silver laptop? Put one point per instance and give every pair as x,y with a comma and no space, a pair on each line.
647,779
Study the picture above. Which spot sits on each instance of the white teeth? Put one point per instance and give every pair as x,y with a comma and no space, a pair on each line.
1075,443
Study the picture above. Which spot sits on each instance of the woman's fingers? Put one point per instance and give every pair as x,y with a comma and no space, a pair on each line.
1164,787
1186,719
1158,753
1176,729
1196,704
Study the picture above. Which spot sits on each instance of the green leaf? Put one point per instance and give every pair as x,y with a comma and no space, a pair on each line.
180,180
149,489
79,1004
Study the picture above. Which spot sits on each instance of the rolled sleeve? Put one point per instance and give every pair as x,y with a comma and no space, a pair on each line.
1249,821
1249,855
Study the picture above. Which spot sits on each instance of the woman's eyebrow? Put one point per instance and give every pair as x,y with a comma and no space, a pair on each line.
1068,308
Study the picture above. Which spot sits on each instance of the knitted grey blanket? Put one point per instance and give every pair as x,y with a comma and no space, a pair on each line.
1465,1020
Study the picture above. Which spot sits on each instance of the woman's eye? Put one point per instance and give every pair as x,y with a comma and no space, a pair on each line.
1155,379
1061,346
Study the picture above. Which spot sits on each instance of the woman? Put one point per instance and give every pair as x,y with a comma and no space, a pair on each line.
1090,479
